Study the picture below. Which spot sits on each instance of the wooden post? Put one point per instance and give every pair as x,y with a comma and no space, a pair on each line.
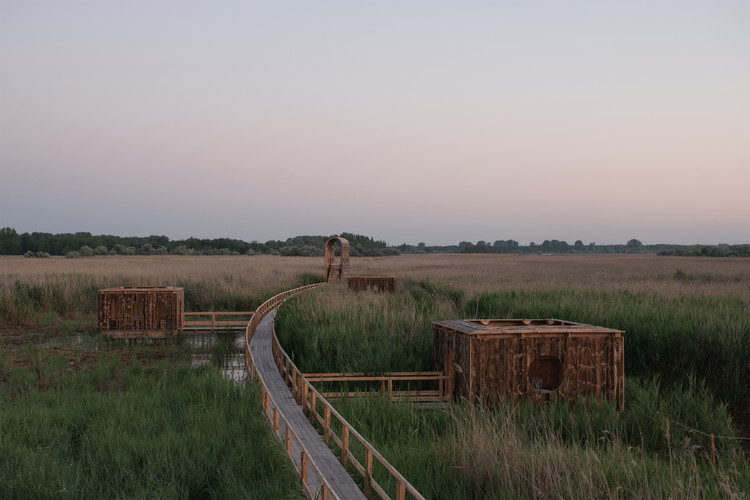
313,400
327,425
345,446
304,392
303,467
368,469
276,420
323,492
288,440
401,491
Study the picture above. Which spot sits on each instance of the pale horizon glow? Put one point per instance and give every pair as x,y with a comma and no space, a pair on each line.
408,122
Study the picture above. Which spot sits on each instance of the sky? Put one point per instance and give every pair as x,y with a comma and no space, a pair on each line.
407,121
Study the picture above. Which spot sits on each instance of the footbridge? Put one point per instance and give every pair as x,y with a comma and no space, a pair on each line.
316,437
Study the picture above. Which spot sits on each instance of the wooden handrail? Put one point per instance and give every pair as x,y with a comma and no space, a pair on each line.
300,386
270,410
309,399
213,322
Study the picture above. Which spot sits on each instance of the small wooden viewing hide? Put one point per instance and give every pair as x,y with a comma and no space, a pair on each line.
530,358
129,312
364,283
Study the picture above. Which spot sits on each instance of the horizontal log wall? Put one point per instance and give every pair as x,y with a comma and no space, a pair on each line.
493,365
140,310
375,283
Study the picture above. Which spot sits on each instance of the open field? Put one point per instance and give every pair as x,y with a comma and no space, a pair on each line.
670,307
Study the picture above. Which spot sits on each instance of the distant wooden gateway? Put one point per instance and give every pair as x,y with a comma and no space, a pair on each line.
530,358
130,312
337,270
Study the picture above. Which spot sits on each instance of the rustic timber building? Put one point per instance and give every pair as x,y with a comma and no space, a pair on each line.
523,358
337,271
129,312
386,284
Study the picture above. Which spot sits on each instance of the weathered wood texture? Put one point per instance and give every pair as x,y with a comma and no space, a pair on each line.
375,283
127,312
530,359
337,270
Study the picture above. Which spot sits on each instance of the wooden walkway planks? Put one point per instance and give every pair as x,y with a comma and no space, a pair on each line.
339,479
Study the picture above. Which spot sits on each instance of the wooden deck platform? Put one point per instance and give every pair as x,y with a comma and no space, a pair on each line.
338,478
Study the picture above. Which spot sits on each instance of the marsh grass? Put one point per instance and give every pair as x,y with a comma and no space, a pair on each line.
68,288
334,330
149,440
559,450
707,337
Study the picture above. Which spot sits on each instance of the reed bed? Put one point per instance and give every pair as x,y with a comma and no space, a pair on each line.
168,434
683,354
556,451
32,288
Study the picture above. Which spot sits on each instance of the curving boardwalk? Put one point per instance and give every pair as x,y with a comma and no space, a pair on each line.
327,464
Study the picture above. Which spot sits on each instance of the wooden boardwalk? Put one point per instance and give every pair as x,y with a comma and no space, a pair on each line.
326,462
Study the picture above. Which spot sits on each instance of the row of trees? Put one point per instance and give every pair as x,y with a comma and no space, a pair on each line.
547,246
86,244
709,251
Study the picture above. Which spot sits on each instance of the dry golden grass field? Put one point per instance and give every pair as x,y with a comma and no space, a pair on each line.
470,272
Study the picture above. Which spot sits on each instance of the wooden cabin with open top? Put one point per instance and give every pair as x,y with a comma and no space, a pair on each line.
530,358
129,312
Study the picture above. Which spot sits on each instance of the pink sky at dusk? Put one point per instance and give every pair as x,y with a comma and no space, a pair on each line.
424,121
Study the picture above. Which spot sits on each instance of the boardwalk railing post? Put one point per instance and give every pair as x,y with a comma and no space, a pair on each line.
401,491
327,425
345,446
276,420
304,392
368,469
323,492
303,467
313,400
288,440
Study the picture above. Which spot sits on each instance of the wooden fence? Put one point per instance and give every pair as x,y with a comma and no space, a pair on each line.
213,323
312,403
389,385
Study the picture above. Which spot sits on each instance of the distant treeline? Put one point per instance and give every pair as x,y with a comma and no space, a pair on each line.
547,246
709,251
86,244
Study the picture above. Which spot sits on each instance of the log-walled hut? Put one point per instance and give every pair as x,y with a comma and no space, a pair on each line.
385,284
126,312
530,358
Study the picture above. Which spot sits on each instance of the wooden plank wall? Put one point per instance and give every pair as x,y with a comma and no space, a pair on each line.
142,310
376,283
486,367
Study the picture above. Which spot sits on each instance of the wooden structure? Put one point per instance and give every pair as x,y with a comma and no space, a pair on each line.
297,412
523,358
129,312
364,283
337,271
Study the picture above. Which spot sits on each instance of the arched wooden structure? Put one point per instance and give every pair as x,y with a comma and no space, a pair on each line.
336,271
